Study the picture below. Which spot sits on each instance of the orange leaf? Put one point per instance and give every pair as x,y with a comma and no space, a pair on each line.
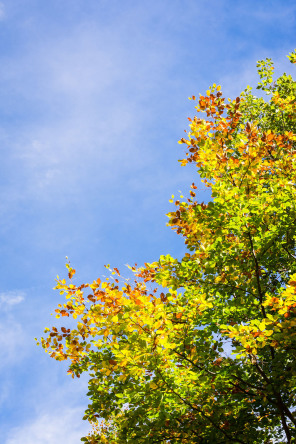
64,313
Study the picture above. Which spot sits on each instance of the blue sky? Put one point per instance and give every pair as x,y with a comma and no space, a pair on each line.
93,101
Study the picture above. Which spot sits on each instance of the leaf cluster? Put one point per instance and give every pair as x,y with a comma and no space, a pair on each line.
202,349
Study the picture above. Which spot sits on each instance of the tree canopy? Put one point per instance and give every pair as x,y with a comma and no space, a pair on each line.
202,349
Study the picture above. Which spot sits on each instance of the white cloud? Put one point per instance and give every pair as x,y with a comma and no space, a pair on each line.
12,335
12,343
2,11
10,298
84,102
64,427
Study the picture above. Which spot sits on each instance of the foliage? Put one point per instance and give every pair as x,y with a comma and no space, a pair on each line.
202,349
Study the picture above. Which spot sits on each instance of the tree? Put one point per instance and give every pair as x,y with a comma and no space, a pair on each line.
202,349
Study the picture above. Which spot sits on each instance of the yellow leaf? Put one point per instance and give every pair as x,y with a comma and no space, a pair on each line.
262,326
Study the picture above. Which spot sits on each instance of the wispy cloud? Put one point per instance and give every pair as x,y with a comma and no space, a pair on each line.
2,11
51,428
84,100
10,298
13,344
